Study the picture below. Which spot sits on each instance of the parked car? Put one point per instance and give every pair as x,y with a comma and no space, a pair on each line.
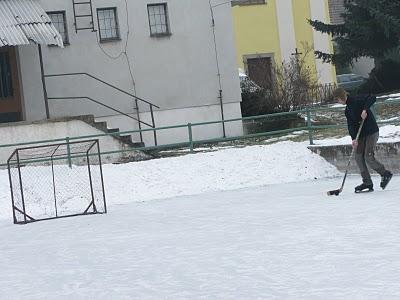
350,81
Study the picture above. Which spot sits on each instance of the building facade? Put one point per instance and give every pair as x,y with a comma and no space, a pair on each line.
276,30
177,57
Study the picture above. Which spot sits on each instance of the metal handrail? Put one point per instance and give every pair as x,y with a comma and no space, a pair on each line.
191,141
151,105
102,104
102,81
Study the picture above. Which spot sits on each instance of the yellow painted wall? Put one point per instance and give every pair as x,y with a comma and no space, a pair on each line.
256,30
304,32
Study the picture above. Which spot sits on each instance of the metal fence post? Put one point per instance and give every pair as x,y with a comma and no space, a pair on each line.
190,137
68,152
154,125
309,126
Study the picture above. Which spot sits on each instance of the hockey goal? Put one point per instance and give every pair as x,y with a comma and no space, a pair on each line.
56,181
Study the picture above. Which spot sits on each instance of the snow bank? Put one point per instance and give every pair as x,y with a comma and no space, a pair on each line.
387,134
396,95
222,170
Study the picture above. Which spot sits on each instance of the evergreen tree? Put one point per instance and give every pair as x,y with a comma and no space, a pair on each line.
371,28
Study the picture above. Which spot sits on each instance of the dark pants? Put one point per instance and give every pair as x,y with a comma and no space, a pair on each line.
365,154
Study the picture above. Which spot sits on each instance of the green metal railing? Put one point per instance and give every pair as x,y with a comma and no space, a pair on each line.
136,99
192,142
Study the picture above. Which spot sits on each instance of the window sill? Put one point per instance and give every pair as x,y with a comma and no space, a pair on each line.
161,35
110,40
55,46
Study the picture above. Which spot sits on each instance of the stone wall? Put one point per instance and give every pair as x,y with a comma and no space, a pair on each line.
387,153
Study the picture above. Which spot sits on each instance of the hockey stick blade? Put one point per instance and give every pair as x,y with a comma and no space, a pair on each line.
338,191
334,192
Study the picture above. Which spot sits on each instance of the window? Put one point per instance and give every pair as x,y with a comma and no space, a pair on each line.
59,21
108,25
158,19
259,68
247,2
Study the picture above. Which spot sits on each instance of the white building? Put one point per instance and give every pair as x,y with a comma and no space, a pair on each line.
167,54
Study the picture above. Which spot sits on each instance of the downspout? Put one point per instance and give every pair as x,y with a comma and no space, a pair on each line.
220,92
46,99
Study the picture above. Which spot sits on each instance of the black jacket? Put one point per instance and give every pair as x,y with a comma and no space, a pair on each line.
354,108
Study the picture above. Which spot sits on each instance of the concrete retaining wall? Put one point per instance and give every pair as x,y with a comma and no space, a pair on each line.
386,153
23,132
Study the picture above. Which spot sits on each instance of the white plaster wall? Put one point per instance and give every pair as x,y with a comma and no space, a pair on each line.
183,117
286,28
321,41
31,84
28,132
174,72
363,66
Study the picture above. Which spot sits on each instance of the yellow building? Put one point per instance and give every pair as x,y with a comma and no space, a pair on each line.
270,31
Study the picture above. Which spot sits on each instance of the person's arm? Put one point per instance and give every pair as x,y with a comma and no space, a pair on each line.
352,126
368,102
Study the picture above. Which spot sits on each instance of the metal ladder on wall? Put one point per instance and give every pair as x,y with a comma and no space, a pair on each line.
87,7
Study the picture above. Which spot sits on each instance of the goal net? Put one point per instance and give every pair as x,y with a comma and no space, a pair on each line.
55,181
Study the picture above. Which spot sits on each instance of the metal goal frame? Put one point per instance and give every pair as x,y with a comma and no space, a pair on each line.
51,156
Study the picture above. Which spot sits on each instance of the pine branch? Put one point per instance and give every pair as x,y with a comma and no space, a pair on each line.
371,28
334,30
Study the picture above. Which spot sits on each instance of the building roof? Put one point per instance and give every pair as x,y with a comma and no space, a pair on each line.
24,22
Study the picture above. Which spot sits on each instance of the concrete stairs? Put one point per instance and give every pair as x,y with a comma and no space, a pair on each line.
126,139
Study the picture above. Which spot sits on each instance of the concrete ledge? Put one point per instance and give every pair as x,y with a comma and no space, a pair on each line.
338,155
23,132
85,118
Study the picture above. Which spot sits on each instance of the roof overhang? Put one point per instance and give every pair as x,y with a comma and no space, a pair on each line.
24,22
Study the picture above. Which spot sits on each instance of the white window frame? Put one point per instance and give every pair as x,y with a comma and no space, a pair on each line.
164,22
117,36
64,35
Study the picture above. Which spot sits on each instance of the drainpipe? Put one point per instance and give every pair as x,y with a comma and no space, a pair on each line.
220,96
46,99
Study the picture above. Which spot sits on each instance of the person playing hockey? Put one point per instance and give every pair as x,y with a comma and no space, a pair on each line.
358,108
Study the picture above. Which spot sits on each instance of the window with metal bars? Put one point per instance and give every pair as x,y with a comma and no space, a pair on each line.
59,21
108,24
158,19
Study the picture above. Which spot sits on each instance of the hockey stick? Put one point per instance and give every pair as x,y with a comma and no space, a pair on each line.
338,191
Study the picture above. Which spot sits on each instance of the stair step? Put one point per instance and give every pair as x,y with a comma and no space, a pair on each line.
112,130
101,125
138,145
126,139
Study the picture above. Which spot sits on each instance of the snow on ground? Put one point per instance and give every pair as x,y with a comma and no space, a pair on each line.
387,134
227,169
338,105
396,96
285,241
240,223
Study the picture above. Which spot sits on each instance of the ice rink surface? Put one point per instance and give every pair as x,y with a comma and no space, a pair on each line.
283,241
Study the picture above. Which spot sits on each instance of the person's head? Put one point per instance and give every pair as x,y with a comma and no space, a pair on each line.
340,95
